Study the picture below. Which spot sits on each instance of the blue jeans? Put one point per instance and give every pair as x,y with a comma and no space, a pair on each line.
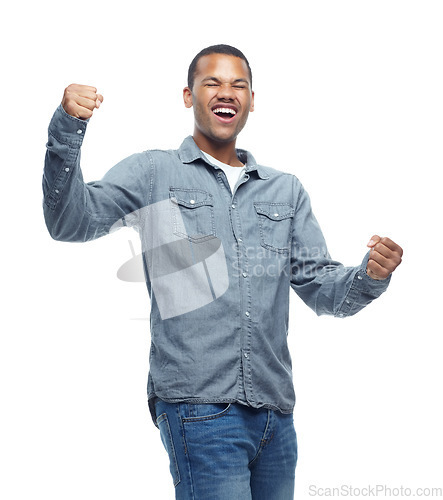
228,451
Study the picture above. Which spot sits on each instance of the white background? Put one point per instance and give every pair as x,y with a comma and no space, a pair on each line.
348,98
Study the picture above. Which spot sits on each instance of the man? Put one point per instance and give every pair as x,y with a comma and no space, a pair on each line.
224,239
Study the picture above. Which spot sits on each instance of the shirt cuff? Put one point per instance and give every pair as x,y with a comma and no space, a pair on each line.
66,128
362,291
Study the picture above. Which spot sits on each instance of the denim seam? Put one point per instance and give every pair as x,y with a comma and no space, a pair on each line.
263,441
151,176
164,418
185,447
241,391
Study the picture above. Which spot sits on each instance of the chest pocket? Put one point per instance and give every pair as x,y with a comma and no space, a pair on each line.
275,224
192,214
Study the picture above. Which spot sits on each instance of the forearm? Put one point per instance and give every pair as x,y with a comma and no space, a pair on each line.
330,288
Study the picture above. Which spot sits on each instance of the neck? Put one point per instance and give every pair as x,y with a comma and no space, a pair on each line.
224,152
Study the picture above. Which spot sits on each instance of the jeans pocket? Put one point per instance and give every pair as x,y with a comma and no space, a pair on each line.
206,411
168,443
275,224
192,214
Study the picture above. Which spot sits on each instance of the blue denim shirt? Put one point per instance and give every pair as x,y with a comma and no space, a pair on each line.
218,264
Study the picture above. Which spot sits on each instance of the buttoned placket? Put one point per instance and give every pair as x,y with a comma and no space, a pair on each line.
245,384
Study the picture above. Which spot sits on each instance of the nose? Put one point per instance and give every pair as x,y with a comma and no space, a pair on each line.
225,91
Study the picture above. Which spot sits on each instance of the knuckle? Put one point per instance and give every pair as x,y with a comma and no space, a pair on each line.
377,256
377,247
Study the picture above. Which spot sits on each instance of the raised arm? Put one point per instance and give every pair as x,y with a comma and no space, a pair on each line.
79,211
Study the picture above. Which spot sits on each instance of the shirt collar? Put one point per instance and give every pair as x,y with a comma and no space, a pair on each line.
189,152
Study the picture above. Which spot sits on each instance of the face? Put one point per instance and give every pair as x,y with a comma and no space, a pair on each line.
221,97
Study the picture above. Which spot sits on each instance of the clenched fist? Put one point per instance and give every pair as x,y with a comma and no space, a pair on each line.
384,257
81,100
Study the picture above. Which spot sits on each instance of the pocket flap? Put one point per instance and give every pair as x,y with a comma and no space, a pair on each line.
190,198
274,211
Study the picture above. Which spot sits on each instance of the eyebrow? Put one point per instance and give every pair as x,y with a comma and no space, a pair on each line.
215,79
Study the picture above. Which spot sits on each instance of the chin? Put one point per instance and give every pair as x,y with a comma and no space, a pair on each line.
224,138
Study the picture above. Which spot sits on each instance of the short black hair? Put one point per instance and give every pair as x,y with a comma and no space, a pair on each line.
215,49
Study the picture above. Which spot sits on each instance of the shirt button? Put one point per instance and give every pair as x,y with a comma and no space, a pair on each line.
359,277
247,314
245,354
245,275
233,206
240,240
67,169
79,131
57,191
192,202
275,215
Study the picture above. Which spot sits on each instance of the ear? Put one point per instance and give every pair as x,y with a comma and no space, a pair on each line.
187,97
252,102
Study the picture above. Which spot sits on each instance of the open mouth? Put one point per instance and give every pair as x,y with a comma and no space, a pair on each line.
224,114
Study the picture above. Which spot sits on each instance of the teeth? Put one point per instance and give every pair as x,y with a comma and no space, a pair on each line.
225,110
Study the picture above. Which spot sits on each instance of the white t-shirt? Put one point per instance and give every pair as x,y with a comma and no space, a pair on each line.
234,174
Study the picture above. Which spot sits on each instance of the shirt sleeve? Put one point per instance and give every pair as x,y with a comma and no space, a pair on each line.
325,285
79,211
